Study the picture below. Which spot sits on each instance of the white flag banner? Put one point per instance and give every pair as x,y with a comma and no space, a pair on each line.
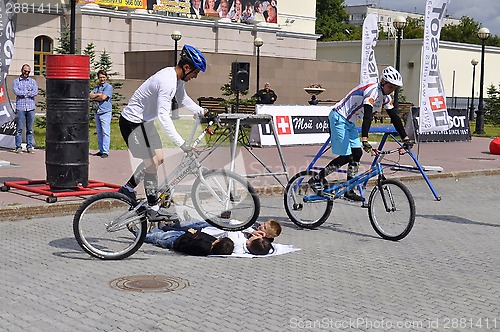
433,114
369,72
7,32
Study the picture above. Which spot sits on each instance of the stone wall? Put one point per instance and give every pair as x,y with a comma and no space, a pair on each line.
287,77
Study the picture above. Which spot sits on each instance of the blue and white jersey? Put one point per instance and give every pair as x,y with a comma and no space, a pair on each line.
351,106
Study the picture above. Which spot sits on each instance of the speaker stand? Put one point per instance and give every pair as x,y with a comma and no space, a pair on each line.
237,101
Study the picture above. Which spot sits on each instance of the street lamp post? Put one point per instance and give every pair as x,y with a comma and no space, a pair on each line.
474,63
258,42
483,34
72,20
399,23
176,36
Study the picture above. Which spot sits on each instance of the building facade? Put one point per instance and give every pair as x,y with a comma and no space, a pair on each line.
290,58
120,31
357,15
454,63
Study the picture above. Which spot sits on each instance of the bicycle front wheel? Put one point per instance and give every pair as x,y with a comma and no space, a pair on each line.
306,214
225,200
100,226
391,209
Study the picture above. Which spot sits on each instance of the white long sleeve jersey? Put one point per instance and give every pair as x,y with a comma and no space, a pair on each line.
351,107
154,99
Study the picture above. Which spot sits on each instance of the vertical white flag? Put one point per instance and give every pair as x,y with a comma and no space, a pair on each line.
433,114
369,72
7,32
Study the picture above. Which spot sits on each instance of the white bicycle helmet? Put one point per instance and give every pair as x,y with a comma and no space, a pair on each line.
391,75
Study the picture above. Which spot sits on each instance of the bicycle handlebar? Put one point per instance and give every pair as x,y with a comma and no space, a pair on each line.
400,150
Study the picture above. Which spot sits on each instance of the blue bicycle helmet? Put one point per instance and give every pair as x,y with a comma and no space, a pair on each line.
194,56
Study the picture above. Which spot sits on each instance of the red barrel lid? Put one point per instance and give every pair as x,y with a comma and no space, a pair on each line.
68,66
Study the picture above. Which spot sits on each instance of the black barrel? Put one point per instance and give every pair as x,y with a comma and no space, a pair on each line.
67,132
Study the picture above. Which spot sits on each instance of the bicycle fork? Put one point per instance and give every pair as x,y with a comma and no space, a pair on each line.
131,216
227,193
387,197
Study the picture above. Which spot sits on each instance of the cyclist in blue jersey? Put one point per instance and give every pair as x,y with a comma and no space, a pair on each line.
360,103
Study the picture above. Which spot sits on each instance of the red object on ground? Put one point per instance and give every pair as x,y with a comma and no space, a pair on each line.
42,188
495,146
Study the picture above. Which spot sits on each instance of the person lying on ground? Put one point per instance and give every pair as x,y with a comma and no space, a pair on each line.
191,242
194,242
269,229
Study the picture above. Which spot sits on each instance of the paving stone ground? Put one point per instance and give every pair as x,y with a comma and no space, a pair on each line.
443,277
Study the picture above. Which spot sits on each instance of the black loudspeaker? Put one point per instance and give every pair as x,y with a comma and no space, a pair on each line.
240,72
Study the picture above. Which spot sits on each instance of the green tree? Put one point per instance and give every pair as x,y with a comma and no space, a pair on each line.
492,106
64,41
90,52
414,28
105,63
466,32
331,19
331,24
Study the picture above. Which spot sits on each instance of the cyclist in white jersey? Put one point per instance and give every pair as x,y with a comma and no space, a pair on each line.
153,99
360,103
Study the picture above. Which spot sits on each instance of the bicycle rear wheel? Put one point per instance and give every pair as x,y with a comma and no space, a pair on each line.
225,200
391,209
100,226
310,214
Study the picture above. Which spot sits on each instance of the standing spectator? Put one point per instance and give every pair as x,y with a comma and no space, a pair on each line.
266,95
25,89
101,96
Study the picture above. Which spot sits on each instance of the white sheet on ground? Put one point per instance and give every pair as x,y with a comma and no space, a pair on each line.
279,249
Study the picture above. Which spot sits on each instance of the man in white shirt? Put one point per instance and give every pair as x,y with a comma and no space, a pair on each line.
153,99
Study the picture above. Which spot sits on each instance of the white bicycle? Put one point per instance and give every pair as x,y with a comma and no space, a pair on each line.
221,197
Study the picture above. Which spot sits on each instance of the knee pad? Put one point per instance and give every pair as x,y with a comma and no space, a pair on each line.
151,187
138,176
352,169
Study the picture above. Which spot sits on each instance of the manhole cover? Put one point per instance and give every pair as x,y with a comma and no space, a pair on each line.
149,283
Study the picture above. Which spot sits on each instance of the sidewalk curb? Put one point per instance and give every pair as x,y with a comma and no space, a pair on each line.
23,212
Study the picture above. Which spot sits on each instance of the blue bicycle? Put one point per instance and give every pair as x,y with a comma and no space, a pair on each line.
391,207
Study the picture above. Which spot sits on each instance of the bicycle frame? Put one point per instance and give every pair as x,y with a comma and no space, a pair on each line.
188,165
388,132
360,180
